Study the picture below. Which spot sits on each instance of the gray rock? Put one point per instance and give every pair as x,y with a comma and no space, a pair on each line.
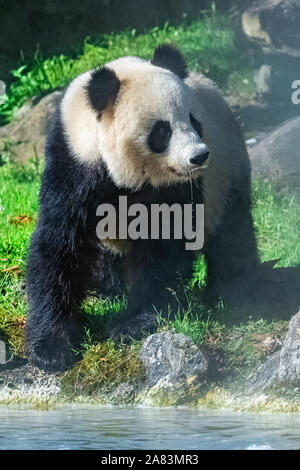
28,382
274,24
173,354
28,131
271,29
177,371
124,394
277,156
266,375
262,78
289,366
283,366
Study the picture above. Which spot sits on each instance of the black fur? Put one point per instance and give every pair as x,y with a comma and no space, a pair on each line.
103,89
196,125
159,137
168,57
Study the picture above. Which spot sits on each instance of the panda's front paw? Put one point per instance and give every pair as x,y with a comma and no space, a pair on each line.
52,355
125,333
137,328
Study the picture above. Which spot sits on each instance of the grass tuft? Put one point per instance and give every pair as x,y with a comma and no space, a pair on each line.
243,345
103,366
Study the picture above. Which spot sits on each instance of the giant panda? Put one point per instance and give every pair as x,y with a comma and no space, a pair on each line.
155,133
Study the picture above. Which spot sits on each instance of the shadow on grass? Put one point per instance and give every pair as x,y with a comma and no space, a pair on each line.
274,295
280,292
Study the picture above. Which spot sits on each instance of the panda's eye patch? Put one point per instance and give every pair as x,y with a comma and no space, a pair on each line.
196,125
159,136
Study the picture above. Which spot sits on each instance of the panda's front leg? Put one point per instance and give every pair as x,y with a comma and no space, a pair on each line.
56,283
151,271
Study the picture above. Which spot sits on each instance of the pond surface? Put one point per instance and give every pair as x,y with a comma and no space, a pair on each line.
77,427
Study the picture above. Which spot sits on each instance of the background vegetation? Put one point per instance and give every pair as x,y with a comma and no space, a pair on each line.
30,28
208,44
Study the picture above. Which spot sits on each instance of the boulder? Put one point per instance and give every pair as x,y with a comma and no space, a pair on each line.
27,133
177,371
289,364
274,25
277,157
272,32
282,367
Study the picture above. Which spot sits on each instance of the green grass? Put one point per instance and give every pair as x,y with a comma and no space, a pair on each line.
19,186
199,327
242,344
208,45
277,222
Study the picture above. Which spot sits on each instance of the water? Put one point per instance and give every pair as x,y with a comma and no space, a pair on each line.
145,428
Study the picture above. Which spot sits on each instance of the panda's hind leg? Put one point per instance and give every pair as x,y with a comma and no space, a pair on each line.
231,254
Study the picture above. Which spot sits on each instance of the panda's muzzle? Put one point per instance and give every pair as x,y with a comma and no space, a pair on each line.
193,164
201,157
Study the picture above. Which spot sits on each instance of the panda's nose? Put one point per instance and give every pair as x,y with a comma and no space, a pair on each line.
201,156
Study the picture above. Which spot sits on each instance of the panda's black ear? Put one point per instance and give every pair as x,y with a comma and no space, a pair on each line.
103,89
168,57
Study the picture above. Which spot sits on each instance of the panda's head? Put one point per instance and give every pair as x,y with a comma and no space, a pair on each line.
140,118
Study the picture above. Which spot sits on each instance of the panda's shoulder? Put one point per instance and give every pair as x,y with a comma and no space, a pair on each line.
208,93
200,82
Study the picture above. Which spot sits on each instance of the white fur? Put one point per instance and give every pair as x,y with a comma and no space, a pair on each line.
79,120
148,94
